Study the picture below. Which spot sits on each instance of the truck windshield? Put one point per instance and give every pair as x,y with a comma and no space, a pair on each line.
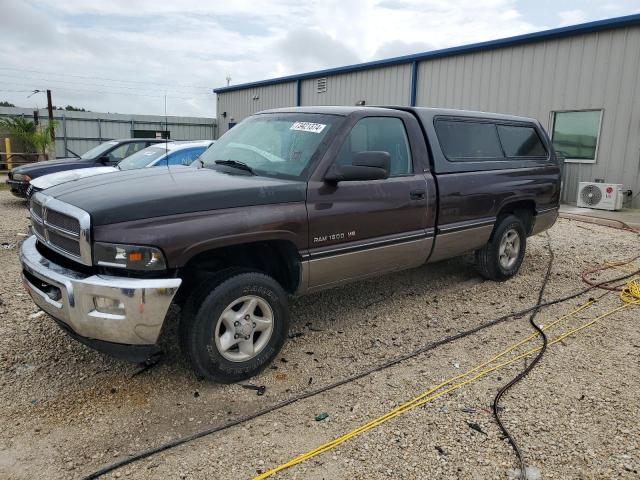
280,145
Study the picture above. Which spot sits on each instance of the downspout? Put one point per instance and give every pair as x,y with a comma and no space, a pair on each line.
414,84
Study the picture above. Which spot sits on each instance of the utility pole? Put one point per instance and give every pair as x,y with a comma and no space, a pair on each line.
50,151
52,130
50,108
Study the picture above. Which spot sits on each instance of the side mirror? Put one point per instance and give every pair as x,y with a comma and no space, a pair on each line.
104,160
364,166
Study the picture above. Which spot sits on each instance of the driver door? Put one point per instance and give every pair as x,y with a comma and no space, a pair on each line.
363,228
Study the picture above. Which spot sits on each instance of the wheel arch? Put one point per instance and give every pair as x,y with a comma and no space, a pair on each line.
524,209
277,258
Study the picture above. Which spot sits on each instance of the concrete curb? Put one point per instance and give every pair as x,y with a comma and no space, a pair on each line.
605,222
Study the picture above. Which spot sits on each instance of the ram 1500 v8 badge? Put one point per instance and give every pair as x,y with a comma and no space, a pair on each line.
289,201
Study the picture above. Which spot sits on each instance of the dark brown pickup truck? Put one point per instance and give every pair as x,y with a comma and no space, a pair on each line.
287,202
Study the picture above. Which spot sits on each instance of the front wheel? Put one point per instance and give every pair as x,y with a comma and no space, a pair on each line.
235,326
501,257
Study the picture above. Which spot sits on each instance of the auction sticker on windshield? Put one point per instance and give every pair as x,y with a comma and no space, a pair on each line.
308,127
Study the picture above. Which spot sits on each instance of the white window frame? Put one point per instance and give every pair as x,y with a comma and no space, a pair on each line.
552,121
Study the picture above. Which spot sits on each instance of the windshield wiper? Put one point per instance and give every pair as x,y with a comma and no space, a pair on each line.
235,164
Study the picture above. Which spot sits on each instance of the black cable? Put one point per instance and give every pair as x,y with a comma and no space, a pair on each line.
529,367
430,346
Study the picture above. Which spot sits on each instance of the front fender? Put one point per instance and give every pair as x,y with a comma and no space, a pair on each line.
182,237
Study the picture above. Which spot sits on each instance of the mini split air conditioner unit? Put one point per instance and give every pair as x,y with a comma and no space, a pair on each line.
603,196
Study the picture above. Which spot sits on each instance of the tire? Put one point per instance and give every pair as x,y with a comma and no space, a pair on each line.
255,310
501,257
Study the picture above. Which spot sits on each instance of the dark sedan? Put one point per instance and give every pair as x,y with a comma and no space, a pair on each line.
106,154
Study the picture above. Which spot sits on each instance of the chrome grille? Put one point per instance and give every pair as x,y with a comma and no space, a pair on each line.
62,221
62,227
67,244
38,230
36,209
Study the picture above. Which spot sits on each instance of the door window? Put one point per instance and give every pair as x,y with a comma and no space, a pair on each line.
135,147
385,134
123,151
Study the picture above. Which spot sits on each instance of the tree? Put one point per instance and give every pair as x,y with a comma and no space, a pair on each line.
34,139
70,108
4,103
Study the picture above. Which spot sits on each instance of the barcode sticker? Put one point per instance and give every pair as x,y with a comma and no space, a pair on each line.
308,127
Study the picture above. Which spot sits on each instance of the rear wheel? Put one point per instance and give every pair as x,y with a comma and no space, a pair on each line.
234,326
502,256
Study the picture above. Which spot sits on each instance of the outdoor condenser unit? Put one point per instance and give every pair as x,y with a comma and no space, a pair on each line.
603,196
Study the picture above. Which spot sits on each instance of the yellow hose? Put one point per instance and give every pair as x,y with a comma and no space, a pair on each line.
630,295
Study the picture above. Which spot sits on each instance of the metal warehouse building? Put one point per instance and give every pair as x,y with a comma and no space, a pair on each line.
580,82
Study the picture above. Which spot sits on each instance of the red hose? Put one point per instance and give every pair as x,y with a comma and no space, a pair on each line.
612,288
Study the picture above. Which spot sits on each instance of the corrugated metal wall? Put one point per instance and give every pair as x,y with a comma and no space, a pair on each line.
598,70
592,71
236,106
80,131
379,86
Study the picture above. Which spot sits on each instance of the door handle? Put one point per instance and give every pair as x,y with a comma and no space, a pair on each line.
416,195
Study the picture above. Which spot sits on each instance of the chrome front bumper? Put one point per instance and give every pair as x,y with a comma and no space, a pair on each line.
68,296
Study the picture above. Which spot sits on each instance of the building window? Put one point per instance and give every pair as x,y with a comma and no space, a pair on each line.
575,134
165,134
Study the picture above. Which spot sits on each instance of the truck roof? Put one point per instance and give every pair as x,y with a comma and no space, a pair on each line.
342,110
421,112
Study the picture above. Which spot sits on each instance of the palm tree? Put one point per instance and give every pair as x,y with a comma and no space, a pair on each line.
33,139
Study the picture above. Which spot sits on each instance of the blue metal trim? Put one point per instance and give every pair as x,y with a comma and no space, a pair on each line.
609,23
414,83
298,93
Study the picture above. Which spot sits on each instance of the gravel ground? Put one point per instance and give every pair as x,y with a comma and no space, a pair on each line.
67,410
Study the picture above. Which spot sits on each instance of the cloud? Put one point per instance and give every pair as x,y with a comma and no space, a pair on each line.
310,49
571,17
397,48
20,22
123,56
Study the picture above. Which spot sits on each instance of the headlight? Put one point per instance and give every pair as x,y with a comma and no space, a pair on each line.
131,257
21,177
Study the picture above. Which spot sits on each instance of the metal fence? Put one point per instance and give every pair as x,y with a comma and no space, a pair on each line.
79,131
15,159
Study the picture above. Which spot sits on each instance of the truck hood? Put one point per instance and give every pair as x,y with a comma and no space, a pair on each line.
158,192
38,169
52,179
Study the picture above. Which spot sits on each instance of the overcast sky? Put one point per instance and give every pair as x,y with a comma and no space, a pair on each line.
124,55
